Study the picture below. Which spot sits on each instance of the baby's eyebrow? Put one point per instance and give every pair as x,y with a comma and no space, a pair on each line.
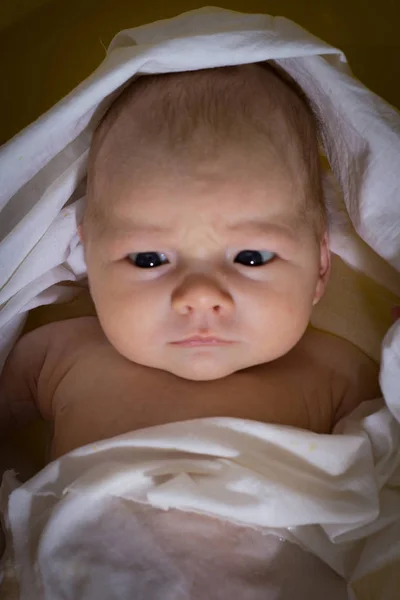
122,226
283,225
125,226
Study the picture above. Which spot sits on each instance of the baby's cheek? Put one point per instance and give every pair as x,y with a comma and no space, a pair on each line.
116,311
130,318
298,305
282,318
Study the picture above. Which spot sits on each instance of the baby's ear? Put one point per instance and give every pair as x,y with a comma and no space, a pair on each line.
324,268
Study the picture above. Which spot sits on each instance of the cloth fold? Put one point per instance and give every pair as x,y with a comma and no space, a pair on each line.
335,496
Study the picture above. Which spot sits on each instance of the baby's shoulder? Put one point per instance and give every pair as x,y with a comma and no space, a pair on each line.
354,376
69,337
335,352
67,341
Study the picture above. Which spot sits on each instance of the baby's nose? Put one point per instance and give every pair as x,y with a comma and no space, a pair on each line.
199,293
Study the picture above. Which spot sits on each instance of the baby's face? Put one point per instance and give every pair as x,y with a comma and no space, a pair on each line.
205,273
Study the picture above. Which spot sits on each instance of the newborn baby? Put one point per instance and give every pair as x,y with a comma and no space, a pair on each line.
206,246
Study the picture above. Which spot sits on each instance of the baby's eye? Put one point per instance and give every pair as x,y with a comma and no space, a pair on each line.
254,258
148,260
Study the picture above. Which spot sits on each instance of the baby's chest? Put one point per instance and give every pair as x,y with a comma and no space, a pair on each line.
104,395
98,399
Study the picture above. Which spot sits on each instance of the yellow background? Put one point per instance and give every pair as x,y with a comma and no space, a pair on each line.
48,47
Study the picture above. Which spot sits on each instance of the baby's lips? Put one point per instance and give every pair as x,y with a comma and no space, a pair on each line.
395,313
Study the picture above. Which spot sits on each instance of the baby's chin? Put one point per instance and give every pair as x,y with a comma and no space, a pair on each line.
205,369
202,372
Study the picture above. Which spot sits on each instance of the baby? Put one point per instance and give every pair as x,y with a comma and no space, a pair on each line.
206,246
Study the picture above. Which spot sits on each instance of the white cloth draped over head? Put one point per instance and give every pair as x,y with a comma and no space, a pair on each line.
42,172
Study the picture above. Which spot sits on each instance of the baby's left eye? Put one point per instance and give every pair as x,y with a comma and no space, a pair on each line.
148,260
254,258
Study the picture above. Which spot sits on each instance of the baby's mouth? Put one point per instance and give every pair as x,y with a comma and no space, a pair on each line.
199,340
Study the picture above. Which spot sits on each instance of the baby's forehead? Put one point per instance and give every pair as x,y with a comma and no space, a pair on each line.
168,209
175,121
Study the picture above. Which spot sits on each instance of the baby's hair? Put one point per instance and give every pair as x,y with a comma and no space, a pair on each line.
189,115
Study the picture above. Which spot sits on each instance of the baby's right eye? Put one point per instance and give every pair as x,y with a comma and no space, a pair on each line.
254,258
148,260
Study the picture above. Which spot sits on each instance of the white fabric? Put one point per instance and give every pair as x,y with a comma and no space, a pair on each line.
87,524
255,474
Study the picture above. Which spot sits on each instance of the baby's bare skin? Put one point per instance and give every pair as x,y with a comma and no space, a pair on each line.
91,392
